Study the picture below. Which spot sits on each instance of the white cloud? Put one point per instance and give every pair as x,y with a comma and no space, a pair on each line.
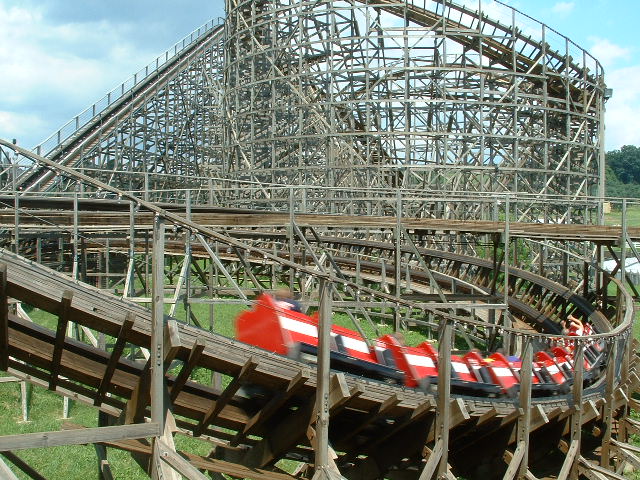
48,67
623,108
607,52
563,8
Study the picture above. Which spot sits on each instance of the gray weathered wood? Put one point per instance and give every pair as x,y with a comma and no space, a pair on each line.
63,320
78,437
4,319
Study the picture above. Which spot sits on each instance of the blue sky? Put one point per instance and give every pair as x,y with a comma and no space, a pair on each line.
59,56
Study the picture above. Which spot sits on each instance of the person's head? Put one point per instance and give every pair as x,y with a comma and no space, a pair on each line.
283,293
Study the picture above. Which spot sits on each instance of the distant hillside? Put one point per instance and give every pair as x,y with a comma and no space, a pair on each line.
623,172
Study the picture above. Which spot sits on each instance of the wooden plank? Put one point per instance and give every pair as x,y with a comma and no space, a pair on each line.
22,465
4,319
172,343
249,366
6,473
63,320
278,400
118,348
508,458
178,463
187,368
433,461
139,397
282,437
380,410
516,461
569,461
596,472
77,437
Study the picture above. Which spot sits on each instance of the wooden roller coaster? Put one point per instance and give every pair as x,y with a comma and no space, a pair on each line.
271,407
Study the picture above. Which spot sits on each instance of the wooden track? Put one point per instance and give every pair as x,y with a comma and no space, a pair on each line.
105,215
391,424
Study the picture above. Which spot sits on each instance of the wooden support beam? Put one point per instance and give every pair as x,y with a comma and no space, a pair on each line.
6,473
77,437
200,462
489,415
172,343
570,460
104,468
282,437
22,465
272,406
508,459
433,461
630,453
235,384
178,463
4,319
421,410
374,414
116,353
187,368
596,472
63,320
516,461
141,395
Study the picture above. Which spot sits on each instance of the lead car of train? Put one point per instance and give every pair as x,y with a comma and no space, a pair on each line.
273,327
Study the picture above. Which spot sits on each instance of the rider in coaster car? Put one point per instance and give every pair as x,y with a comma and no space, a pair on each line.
284,299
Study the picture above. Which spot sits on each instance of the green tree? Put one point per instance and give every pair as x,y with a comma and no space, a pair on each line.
625,163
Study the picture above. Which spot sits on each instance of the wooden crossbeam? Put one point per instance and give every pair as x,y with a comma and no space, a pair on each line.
141,394
420,411
508,458
187,368
22,465
139,397
516,460
178,463
596,472
118,348
432,462
5,472
282,437
630,453
293,427
77,437
204,463
249,366
374,414
278,400
569,461
63,320
4,319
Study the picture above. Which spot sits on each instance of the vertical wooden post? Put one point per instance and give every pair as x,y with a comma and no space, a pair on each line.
576,418
623,243
291,233
607,414
443,415
157,326
16,220
187,259
524,422
322,393
4,319
398,258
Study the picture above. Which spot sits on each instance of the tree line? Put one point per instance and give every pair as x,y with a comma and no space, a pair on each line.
622,175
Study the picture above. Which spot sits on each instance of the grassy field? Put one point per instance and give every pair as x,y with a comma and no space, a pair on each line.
632,217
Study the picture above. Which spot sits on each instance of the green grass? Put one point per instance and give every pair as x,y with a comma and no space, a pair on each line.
615,216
